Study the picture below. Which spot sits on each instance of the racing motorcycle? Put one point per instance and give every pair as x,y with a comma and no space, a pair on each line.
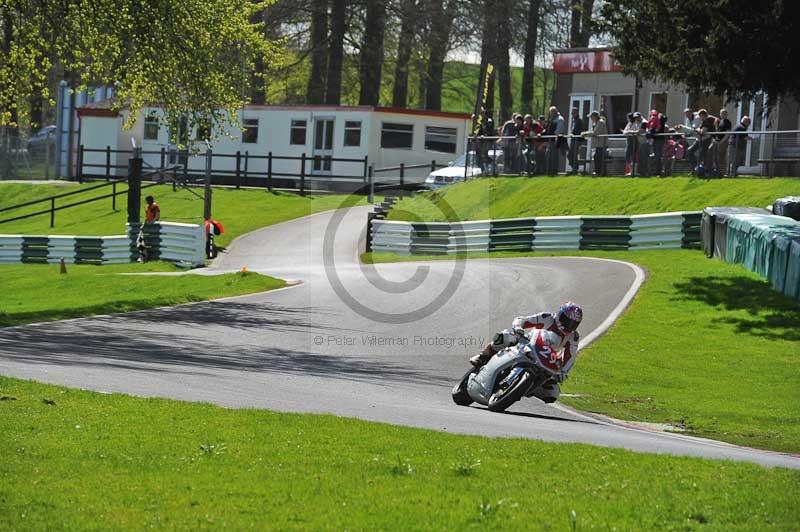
513,373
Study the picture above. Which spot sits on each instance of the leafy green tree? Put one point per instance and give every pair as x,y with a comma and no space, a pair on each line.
194,57
734,47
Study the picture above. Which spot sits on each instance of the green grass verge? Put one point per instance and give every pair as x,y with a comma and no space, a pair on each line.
37,292
240,211
73,459
512,197
706,346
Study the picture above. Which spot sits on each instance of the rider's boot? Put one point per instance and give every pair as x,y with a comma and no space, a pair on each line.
483,357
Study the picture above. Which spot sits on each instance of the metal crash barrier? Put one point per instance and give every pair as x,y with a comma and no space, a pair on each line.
647,231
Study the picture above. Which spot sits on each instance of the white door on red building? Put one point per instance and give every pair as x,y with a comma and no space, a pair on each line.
584,104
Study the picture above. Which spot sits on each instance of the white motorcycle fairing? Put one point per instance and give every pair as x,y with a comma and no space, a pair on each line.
481,385
534,354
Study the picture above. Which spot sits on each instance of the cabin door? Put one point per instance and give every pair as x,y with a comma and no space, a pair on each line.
323,146
584,104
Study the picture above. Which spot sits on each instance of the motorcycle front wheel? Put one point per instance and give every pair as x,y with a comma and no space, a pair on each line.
503,398
460,395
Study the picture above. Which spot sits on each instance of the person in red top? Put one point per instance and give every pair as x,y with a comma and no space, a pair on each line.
564,323
152,212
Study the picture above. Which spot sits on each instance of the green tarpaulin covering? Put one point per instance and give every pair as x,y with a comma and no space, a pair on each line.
791,285
763,244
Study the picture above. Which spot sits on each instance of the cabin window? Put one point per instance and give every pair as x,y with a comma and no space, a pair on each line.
352,133
151,126
441,139
397,135
297,134
249,130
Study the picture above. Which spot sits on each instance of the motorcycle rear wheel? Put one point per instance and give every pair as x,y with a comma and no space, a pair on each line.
502,399
460,395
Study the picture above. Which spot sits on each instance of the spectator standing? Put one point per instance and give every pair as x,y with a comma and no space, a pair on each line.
540,145
487,129
631,132
575,140
510,145
705,154
657,127
557,128
645,150
691,124
736,146
668,155
152,213
721,141
525,134
597,133
680,148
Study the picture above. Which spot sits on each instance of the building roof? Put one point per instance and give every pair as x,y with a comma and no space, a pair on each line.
107,108
356,108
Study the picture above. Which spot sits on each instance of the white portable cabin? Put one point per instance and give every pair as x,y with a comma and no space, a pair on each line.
381,137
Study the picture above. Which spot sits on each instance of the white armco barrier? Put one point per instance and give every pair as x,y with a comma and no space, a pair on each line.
73,249
647,231
174,242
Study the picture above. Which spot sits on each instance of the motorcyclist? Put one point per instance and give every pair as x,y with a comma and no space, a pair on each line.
564,323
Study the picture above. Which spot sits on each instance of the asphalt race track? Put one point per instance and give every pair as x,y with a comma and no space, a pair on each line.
383,343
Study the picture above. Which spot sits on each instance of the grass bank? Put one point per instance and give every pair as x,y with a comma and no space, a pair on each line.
706,347
512,197
80,460
37,292
240,211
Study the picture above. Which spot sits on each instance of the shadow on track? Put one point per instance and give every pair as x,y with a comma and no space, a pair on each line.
132,342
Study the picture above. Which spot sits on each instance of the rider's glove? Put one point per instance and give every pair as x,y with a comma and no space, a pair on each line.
561,377
520,332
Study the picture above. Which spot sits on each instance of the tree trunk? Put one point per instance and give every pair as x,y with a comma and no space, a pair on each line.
405,43
489,47
529,61
545,76
586,22
574,23
371,55
333,92
503,65
315,90
438,51
258,91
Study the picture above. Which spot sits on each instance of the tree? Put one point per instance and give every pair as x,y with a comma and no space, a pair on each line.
733,47
333,91
408,18
580,23
315,92
503,11
194,57
442,18
371,54
529,58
